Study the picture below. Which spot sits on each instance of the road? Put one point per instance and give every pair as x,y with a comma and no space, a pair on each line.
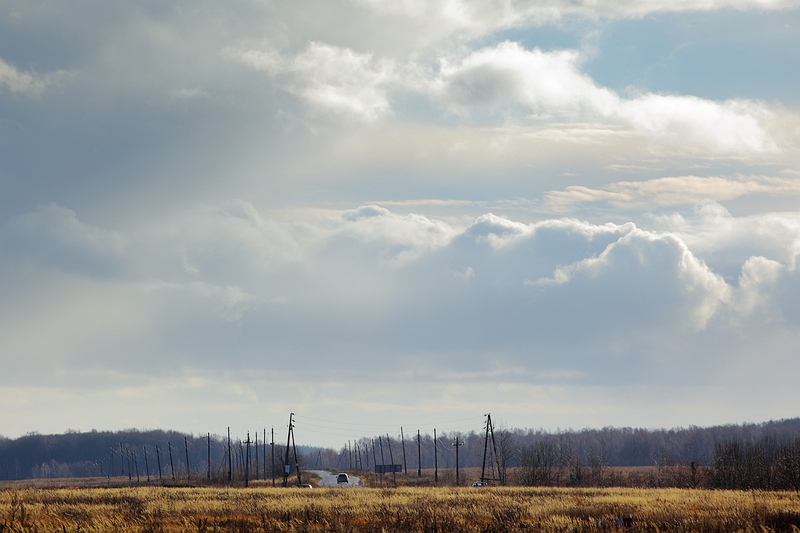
329,480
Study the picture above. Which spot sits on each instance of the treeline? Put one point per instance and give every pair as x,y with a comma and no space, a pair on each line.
165,456
768,463
591,449
734,456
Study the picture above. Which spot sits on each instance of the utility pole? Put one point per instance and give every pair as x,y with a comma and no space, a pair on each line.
171,463
272,449
230,458
286,466
208,456
495,458
435,458
391,457
457,444
485,446
256,455
419,455
146,465
128,455
247,462
188,468
158,457
403,440
383,461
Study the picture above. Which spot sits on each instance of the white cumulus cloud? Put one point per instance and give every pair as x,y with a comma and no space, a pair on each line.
329,78
551,86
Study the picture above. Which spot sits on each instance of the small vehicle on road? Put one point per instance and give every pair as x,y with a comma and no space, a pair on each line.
479,484
342,478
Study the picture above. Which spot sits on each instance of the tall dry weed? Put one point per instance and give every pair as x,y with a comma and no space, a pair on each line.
495,509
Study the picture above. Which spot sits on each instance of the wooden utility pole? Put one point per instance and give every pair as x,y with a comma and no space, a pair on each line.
255,455
435,458
391,458
188,469
208,456
403,440
272,448
171,463
383,461
146,464
264,455
247,462
457,444
158,457
419,455
230,458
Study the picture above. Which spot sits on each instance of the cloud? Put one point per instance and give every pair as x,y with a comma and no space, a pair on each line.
669,191
480,17
54,235
400,237
538,90
31,84
546,82
329,78
643,268
727,242
368,292
729,126
551,86
240,194
376,277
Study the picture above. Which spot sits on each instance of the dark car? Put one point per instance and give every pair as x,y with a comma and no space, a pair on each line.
342,478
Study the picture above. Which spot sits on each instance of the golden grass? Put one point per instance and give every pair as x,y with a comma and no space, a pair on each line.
172,509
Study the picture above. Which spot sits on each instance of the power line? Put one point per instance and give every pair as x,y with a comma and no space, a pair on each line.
424,424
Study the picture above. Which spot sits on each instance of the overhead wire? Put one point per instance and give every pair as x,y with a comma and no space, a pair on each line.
426,424
345,429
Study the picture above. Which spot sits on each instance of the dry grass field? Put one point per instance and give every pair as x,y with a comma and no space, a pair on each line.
423,509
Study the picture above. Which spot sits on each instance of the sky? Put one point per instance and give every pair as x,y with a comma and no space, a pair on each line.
375,214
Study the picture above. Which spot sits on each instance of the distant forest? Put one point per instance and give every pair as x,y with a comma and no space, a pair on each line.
167,456
736,456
